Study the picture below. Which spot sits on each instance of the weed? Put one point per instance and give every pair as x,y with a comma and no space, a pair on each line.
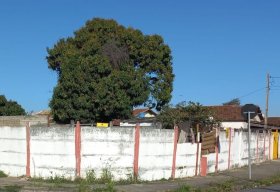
222,187
2,174
184,188
106,176
56,181
90,176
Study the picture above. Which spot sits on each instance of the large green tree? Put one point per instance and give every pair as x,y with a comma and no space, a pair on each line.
106,69
10,108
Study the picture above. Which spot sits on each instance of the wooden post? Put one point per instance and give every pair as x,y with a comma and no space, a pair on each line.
176,134
136,150
197,152
196,162
229,146
78,148
264,133
27,149
217,152
257,146
269,145
48,119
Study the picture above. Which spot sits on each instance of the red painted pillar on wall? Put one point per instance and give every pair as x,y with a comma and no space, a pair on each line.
136,150
27,149
229,147
176,135
78,148
203,171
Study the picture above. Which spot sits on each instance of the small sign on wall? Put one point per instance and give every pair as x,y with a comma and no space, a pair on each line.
102,125
227,132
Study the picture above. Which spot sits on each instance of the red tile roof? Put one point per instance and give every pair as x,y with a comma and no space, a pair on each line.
227,113
273,121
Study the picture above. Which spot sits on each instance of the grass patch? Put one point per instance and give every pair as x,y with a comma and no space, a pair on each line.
232,185
221,187
184,188
2,174
53,180
10,188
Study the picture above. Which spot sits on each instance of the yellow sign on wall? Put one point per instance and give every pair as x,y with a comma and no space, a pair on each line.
102,125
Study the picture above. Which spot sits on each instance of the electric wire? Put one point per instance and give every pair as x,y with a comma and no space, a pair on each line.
252,92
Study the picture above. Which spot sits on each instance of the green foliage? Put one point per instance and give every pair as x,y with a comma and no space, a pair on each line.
184,188
90,176
107,69
106,176
2,174
10,108
235,101
182,112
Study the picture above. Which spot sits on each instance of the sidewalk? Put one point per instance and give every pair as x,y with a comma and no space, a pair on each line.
261,171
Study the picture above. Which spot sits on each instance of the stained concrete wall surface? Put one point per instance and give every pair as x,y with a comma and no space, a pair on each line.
17,121
52,152
109,149
13,150
234,152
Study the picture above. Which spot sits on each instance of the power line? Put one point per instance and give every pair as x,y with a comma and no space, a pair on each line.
252,92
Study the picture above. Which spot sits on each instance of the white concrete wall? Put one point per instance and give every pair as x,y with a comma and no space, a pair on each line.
186,159
155,153
13,150
110,148
52,152
239,150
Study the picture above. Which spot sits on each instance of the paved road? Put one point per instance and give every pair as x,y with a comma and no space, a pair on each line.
260,171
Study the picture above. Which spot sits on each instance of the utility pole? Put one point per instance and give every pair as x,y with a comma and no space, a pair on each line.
249,142
267,99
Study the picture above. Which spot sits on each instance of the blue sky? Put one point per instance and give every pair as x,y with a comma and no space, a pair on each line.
221,49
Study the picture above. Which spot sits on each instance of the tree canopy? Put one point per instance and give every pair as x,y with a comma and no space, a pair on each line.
235,101
106,69
192,112
10,108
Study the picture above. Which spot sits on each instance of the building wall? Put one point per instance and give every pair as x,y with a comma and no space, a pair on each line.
52,152
17,121
234,125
